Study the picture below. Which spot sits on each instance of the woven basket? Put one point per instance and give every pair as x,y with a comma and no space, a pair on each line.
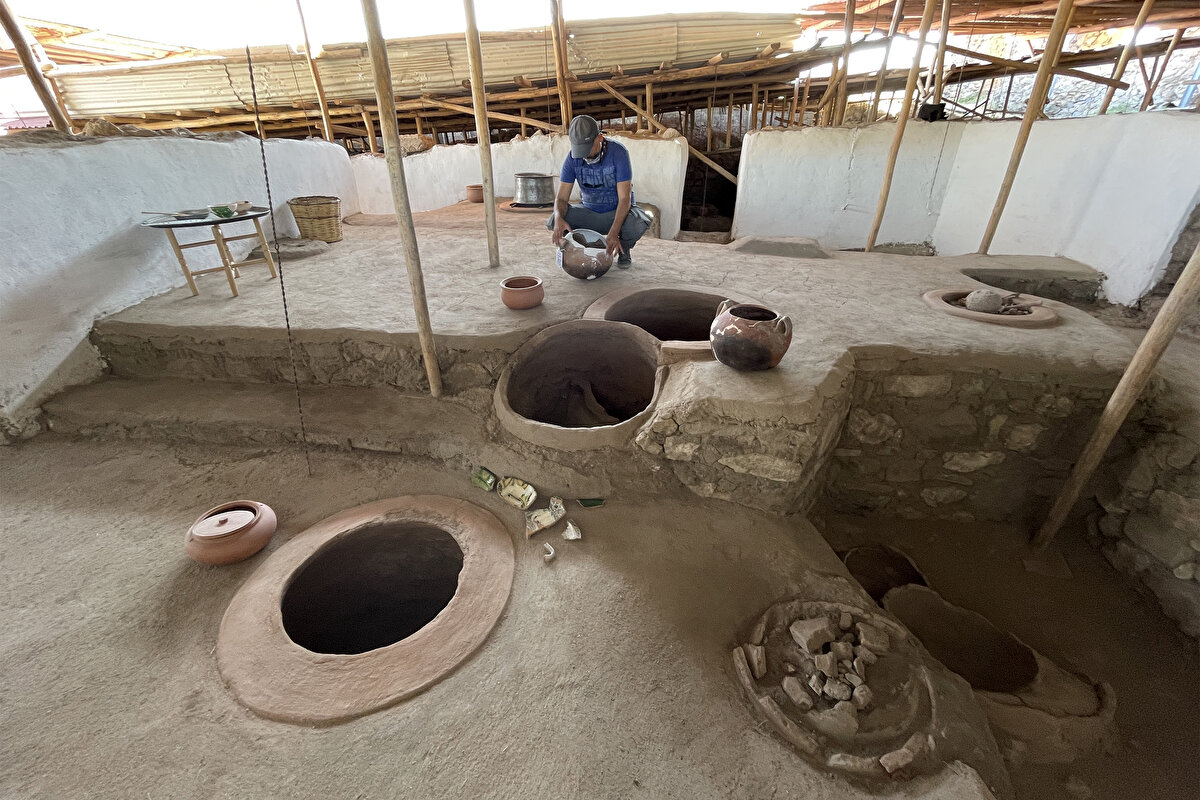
318,217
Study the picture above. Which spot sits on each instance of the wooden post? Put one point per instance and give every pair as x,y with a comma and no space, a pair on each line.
708,125
386,100
729,123
650,107
1148,100
897,16
483,132
560,64
523,114
795,101
326,125
1058,30
371,140
417,122
16,32
901,123
703,158
843,90
939,63
754,106
1179,302
804,101
1123,59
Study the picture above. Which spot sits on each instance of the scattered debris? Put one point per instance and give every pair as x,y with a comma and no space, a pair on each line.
756,657
543,518
548,556
986,301
516,492
813,634
796,692
590,502
572,533
484,478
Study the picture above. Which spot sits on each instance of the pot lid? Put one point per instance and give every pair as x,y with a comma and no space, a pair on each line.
223,523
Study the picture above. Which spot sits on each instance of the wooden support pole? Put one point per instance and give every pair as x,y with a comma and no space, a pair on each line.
482,132
729,123
1148,100
795,101
372,142
417,122
560,64
1034,66
1179,302
326,125
843,87
705,159
524,114
537,123
650,123
1058,31
754,106
16,32
804,101
708,127
386,98
897,16
939,63
901,122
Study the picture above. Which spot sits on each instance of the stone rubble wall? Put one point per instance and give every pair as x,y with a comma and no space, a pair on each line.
1149,527
931,439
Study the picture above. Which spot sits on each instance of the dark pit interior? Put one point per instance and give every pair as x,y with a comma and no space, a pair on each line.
965,642
669,315
753,313
585,377
371,588
879,569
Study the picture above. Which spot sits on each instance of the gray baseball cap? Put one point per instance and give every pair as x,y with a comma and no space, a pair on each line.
584,130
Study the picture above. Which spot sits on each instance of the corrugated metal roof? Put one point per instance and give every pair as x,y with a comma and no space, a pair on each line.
419,66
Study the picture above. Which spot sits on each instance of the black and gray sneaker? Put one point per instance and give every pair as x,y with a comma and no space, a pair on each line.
624,260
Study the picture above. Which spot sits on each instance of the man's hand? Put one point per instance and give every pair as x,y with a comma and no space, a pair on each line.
561,229
612,243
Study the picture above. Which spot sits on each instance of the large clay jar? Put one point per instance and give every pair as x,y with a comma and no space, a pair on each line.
231,532
522,291
748,337
582,254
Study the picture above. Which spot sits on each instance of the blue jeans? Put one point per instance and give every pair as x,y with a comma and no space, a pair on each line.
636,223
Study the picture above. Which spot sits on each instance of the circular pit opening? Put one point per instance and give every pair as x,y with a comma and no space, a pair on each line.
584,376
371,588
669,315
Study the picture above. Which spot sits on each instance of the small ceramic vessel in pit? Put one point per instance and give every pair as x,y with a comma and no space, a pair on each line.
230,532
474,192
748,337
522,291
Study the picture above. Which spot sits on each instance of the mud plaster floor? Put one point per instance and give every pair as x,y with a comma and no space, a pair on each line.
607,677
1092,622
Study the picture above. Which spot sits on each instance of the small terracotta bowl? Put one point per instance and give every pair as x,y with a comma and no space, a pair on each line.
522,291
230,532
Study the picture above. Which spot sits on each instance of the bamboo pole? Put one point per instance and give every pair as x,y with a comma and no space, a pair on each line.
1058,30
1148,100
843,88
560,65
708,126
16,32
1179,302
483,132
372,142
326,125
705,159
524,114
729,124
901,122
897,16
939,63
566,61
1034,66
537,123
385,96
804,101
649,112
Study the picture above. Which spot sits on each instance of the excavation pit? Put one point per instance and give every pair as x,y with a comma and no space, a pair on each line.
365,608
679,316
580,384
372,588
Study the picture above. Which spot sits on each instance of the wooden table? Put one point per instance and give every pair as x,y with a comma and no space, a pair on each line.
231,270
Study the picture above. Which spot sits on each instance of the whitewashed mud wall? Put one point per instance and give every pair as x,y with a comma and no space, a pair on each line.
438,177
824,183
1112,192
71,249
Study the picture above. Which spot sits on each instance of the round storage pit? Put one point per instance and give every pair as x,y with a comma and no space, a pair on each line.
371,588
580,384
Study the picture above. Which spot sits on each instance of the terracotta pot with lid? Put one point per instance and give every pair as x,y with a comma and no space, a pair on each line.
230,532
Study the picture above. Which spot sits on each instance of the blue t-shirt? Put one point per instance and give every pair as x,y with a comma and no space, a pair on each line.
598,182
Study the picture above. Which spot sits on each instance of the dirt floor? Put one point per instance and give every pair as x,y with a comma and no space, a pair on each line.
608,676
1093,622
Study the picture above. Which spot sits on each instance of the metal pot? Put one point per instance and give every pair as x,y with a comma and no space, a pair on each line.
534,189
